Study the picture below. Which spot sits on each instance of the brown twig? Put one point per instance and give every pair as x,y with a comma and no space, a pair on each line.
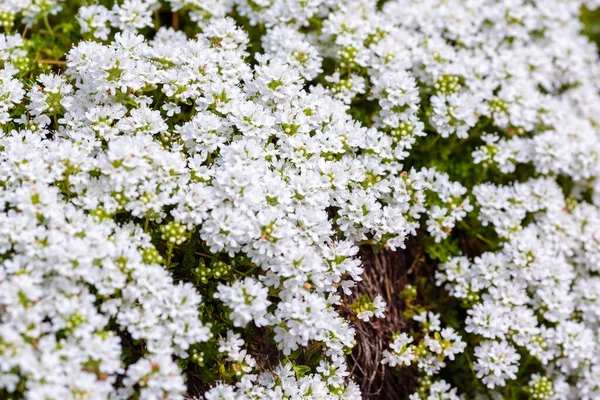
386,275
52,62
175,20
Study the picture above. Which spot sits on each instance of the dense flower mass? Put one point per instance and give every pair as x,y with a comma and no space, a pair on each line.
186,187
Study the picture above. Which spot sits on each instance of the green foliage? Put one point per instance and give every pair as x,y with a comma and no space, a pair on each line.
591,24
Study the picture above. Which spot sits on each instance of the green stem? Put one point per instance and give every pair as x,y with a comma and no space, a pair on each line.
47,23
156,20
159,98
432,144
483,239
475,379
169,255
477,235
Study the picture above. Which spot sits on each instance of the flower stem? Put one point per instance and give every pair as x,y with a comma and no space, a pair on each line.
47,23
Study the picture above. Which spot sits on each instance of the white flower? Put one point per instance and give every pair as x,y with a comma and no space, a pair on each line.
496,362
429,321
379,306
402,352
247,300
95,19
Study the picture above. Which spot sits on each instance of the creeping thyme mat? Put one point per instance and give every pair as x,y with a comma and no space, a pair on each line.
299,199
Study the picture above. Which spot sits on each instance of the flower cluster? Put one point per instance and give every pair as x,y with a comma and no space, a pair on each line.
539,291
365,308
429,354
178,197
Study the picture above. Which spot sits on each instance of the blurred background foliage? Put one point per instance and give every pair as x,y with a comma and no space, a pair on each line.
591,21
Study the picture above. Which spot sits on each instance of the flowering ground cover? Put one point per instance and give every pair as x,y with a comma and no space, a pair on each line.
299,199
